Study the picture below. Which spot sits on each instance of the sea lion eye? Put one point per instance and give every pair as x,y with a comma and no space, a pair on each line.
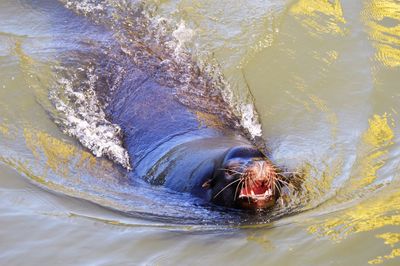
229,172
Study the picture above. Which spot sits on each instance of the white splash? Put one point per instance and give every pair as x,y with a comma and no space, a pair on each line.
182,35
84,6
85,119
250,120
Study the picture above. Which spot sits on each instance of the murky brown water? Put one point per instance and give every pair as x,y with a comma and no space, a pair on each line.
325,79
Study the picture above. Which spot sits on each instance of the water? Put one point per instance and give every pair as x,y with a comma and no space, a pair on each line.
324,79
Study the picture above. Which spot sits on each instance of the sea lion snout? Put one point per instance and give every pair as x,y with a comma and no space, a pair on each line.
246,180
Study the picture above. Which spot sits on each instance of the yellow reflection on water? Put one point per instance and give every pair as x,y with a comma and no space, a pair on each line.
4,130
374,214
372,155
379,133
379,137
320,16
25,60
260,239
63,167
58,155
377,212
390,239
317,184
370,215
328,57
36,75
383,19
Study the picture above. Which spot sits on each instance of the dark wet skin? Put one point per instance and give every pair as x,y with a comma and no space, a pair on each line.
170,144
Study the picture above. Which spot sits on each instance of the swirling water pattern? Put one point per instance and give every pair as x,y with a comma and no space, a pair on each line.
324,79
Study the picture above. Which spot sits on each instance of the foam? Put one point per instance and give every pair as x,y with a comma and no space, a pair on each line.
84,118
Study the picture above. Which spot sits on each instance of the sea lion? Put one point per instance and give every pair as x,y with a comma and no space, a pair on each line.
177,128
180,147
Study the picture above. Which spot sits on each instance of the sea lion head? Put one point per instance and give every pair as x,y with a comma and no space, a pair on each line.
246,179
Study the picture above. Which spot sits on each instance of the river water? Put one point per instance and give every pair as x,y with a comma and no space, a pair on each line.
323,77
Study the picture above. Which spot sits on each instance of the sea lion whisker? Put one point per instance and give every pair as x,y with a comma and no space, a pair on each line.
283,181
272,184
247,187
241,186
277,187
273,167
227,169
226,187
236,172
292,173
236,190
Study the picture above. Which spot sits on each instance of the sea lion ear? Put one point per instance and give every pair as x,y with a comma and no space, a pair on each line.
207,184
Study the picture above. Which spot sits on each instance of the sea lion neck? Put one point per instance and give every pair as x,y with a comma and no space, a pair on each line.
185,167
